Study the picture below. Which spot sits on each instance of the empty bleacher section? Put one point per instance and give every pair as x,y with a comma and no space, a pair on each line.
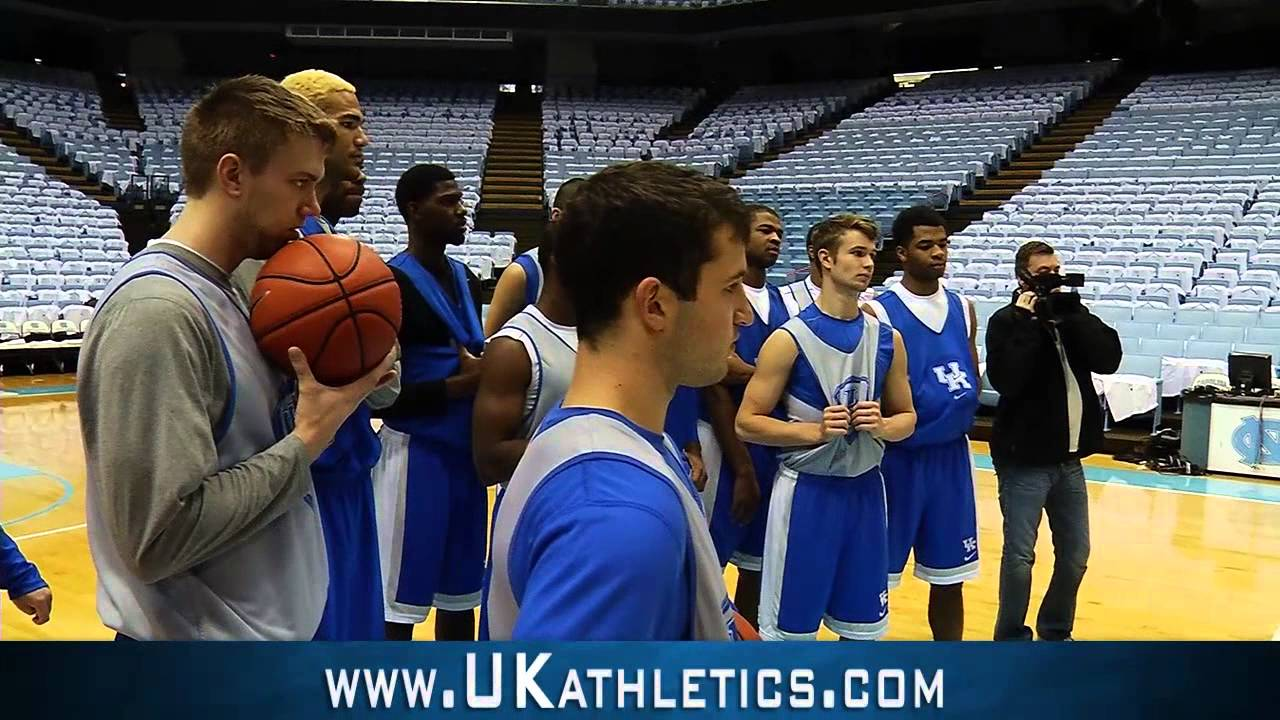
58,248
54,117
928,144
1170,210
583,132
764,118
163,104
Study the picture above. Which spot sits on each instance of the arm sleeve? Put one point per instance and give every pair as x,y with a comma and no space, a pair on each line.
17,575
148,417
1086,336
1014,341
588,581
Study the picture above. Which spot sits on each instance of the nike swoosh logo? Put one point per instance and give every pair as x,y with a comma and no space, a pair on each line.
970,557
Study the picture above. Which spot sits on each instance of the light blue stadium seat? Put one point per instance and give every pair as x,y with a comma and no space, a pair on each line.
1136,329
1238,316
1157,315
1222,333
1195,316
1129,344
1204,350
1162,347
1136,364
1112,314
1264,348
1178,332
1262,334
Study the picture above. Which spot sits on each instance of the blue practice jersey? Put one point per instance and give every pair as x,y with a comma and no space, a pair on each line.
602,549
944,382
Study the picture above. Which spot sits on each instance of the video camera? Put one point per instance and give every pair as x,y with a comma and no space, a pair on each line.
1042,285
1052,305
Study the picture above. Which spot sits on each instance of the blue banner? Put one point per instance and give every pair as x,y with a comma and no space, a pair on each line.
962,680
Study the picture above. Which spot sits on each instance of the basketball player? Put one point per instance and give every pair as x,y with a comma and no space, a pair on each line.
928,477
600,535
525,372
27,590
743,473
430,504
344,493
798,295
521,284
831,367
201,515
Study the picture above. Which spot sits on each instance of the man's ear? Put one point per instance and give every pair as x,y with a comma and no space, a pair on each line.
230,174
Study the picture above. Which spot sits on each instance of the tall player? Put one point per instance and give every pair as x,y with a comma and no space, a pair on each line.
800,294
201,519
600,534
430,504
344,492
831,368
742,473
521,284
929,476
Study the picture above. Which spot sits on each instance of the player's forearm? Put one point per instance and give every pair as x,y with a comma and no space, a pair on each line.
497,462
765,430
721,415
740,371
898,427
225,509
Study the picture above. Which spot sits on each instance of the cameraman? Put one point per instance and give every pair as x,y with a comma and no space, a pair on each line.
1041,349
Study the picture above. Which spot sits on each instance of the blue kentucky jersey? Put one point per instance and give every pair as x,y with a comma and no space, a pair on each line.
751,337
355,448
841,337
944,382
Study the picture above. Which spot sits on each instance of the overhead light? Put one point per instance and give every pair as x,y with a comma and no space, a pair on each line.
121,75
38,61
123,85
998,67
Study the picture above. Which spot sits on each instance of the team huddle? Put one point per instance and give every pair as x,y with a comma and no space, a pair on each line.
648,407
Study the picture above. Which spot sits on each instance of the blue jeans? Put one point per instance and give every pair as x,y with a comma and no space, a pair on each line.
1025,490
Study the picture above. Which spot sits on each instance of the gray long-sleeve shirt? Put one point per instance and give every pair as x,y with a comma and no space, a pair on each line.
154,389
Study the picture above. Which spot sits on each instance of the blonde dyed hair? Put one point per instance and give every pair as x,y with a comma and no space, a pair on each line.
316,85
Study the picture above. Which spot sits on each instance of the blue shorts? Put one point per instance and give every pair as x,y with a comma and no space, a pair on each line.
826,558
431,527
353,609
742,545
932,511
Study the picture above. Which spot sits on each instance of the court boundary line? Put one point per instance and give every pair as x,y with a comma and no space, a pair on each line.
46,533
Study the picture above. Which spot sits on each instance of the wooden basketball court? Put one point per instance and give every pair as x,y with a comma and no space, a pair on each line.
1173,558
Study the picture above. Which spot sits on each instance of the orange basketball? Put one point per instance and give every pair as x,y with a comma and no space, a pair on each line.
331,297
743,625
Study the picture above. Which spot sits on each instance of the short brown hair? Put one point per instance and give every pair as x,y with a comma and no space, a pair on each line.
826,234
249,116
637,220
1023,257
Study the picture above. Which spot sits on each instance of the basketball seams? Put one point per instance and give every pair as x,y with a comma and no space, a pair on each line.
346,296
302,312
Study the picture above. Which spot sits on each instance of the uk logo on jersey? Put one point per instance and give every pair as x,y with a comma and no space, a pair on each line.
850,392
952,376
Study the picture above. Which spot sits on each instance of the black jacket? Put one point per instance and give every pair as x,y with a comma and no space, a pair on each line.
1023,366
